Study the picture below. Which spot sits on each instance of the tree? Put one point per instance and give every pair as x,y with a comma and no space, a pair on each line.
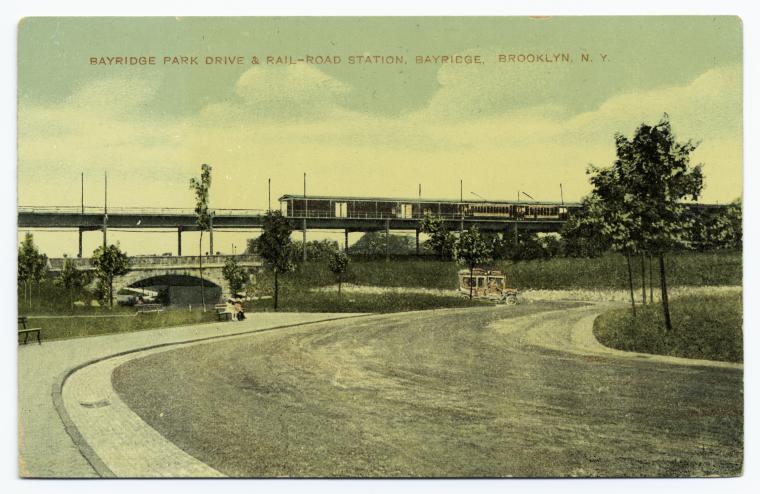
373,244
276,247
32,266
201,188
652,176
583,232
72,279
338,264
109,262
441,241
613,208
235,275
471,250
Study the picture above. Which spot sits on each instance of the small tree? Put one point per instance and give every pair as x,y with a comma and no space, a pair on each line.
72,279
472,250
276,247
235,275
643,192
32,266
338,264
441,241
109,262
201,188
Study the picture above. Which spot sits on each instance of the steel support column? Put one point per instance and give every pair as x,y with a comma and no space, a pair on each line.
80,242
387,240
304,239
345,242
179,241
417,238
211,235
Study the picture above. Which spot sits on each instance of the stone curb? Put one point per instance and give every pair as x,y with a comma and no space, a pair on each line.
72,430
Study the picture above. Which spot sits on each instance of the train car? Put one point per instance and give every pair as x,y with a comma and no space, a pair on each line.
298,206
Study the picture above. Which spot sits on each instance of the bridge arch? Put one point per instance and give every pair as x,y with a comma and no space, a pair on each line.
177,287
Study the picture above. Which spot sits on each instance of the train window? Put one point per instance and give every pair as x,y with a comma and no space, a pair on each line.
284,208
341,209
405,211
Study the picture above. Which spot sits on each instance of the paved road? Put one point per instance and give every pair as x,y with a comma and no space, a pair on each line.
45,449
461,392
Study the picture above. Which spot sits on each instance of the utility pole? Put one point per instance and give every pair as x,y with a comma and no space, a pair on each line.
269,193
105,210
561,195
80,228
460,191
306,213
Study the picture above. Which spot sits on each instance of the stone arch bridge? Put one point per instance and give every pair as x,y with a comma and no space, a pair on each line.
143,268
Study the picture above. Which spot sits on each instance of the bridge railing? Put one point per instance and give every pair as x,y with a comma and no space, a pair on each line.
136,211
56,264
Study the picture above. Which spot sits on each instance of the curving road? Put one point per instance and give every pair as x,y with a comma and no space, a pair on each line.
490,392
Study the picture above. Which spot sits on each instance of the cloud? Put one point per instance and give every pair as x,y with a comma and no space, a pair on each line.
280,122
281,93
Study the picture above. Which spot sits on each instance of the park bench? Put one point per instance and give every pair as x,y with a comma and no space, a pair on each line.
145,308
222,313
22,320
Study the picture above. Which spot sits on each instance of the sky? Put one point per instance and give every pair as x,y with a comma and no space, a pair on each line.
359,129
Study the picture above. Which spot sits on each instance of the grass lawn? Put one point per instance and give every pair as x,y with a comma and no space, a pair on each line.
397,301
704,327
608,271
54,328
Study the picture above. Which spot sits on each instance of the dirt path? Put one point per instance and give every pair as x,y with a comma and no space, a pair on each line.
460,392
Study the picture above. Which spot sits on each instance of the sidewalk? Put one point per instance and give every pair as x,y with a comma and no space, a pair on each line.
45,449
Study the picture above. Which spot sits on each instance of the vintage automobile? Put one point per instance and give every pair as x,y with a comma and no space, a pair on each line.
491,285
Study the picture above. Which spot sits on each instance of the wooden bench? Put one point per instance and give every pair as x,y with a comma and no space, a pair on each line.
222,313
22,320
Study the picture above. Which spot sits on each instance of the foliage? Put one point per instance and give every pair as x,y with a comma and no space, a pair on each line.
719,228
235,276
316,250
471,250
109,262
203,216
32,266
372,244
73,279
441,241
641,196
202,186
338,264
276,247
583,233
707,327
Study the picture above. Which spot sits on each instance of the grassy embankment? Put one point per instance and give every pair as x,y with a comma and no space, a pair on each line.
704,327
609,271
690,269
54,328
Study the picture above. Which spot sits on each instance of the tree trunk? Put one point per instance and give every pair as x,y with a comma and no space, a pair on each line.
110,293
651,282
276,290
643,280
471,282
664,288
630,283
200,269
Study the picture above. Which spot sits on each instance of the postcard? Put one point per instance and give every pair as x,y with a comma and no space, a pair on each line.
380,247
